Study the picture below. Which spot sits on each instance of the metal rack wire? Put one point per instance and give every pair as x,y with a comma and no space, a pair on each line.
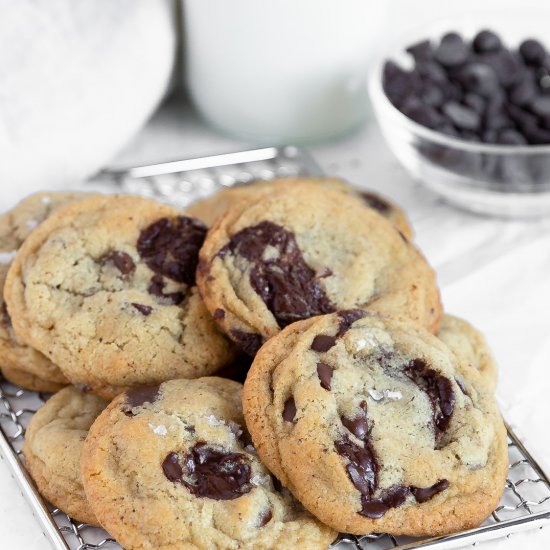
526,500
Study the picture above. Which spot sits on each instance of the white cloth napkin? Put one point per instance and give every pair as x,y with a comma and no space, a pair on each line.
77,80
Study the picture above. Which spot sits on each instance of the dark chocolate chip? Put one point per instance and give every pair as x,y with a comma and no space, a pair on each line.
249,342
438,389
138,396
85,388
421,113
121,260
398,83
461,116
142,308
156,288
392,497
288,286
478,78
541,105
170,247
210,473
376,202
289,410
423,494
430,71
347,318
532,52
452,51
432,95
522,93
475,102
218,314
323,342
486,41
358,425
421,50
265,517
324,372
362,467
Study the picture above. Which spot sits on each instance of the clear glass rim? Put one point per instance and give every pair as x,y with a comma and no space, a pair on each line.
384,107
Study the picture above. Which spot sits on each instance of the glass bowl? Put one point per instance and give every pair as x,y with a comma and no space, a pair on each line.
501,180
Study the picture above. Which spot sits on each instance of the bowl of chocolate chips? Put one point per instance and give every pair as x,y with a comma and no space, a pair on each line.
465,107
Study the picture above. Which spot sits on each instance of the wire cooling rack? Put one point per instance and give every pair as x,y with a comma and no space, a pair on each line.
526,500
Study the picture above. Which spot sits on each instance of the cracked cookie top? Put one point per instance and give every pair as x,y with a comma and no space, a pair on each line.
295,250
105,288
376,425
173,467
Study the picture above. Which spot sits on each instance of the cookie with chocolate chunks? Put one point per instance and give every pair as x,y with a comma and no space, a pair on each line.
105,288
296,250
383,430
173,467
53,444
20,363
210,209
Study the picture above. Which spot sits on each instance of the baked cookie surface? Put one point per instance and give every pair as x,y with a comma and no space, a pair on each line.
376,426
171,467
210,209
106,289
53,445
20,363
296,251
470,346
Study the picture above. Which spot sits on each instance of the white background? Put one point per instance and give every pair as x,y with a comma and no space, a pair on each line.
494,273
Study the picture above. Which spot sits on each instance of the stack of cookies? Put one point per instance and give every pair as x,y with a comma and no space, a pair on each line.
364,408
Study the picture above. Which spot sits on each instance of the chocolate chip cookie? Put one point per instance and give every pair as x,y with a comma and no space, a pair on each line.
106,289
20,363
470,346
53,445
295,251
363,419
210,209
172,467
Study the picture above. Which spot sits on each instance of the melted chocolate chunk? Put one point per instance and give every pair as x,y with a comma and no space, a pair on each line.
170,247
439,390
249,342
156,288
362,467
289,410
358,425
287,285
324,372
138,396
390,498
423,494
142,308
121,260
347,318
210,473
265,517
376,202
218,314
6,319
322,343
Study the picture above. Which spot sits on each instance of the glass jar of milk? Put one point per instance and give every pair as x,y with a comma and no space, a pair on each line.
281,71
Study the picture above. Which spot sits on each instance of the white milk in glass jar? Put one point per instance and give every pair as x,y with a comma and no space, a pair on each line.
281,71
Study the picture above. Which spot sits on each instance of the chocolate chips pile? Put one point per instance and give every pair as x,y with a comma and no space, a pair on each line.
479,91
